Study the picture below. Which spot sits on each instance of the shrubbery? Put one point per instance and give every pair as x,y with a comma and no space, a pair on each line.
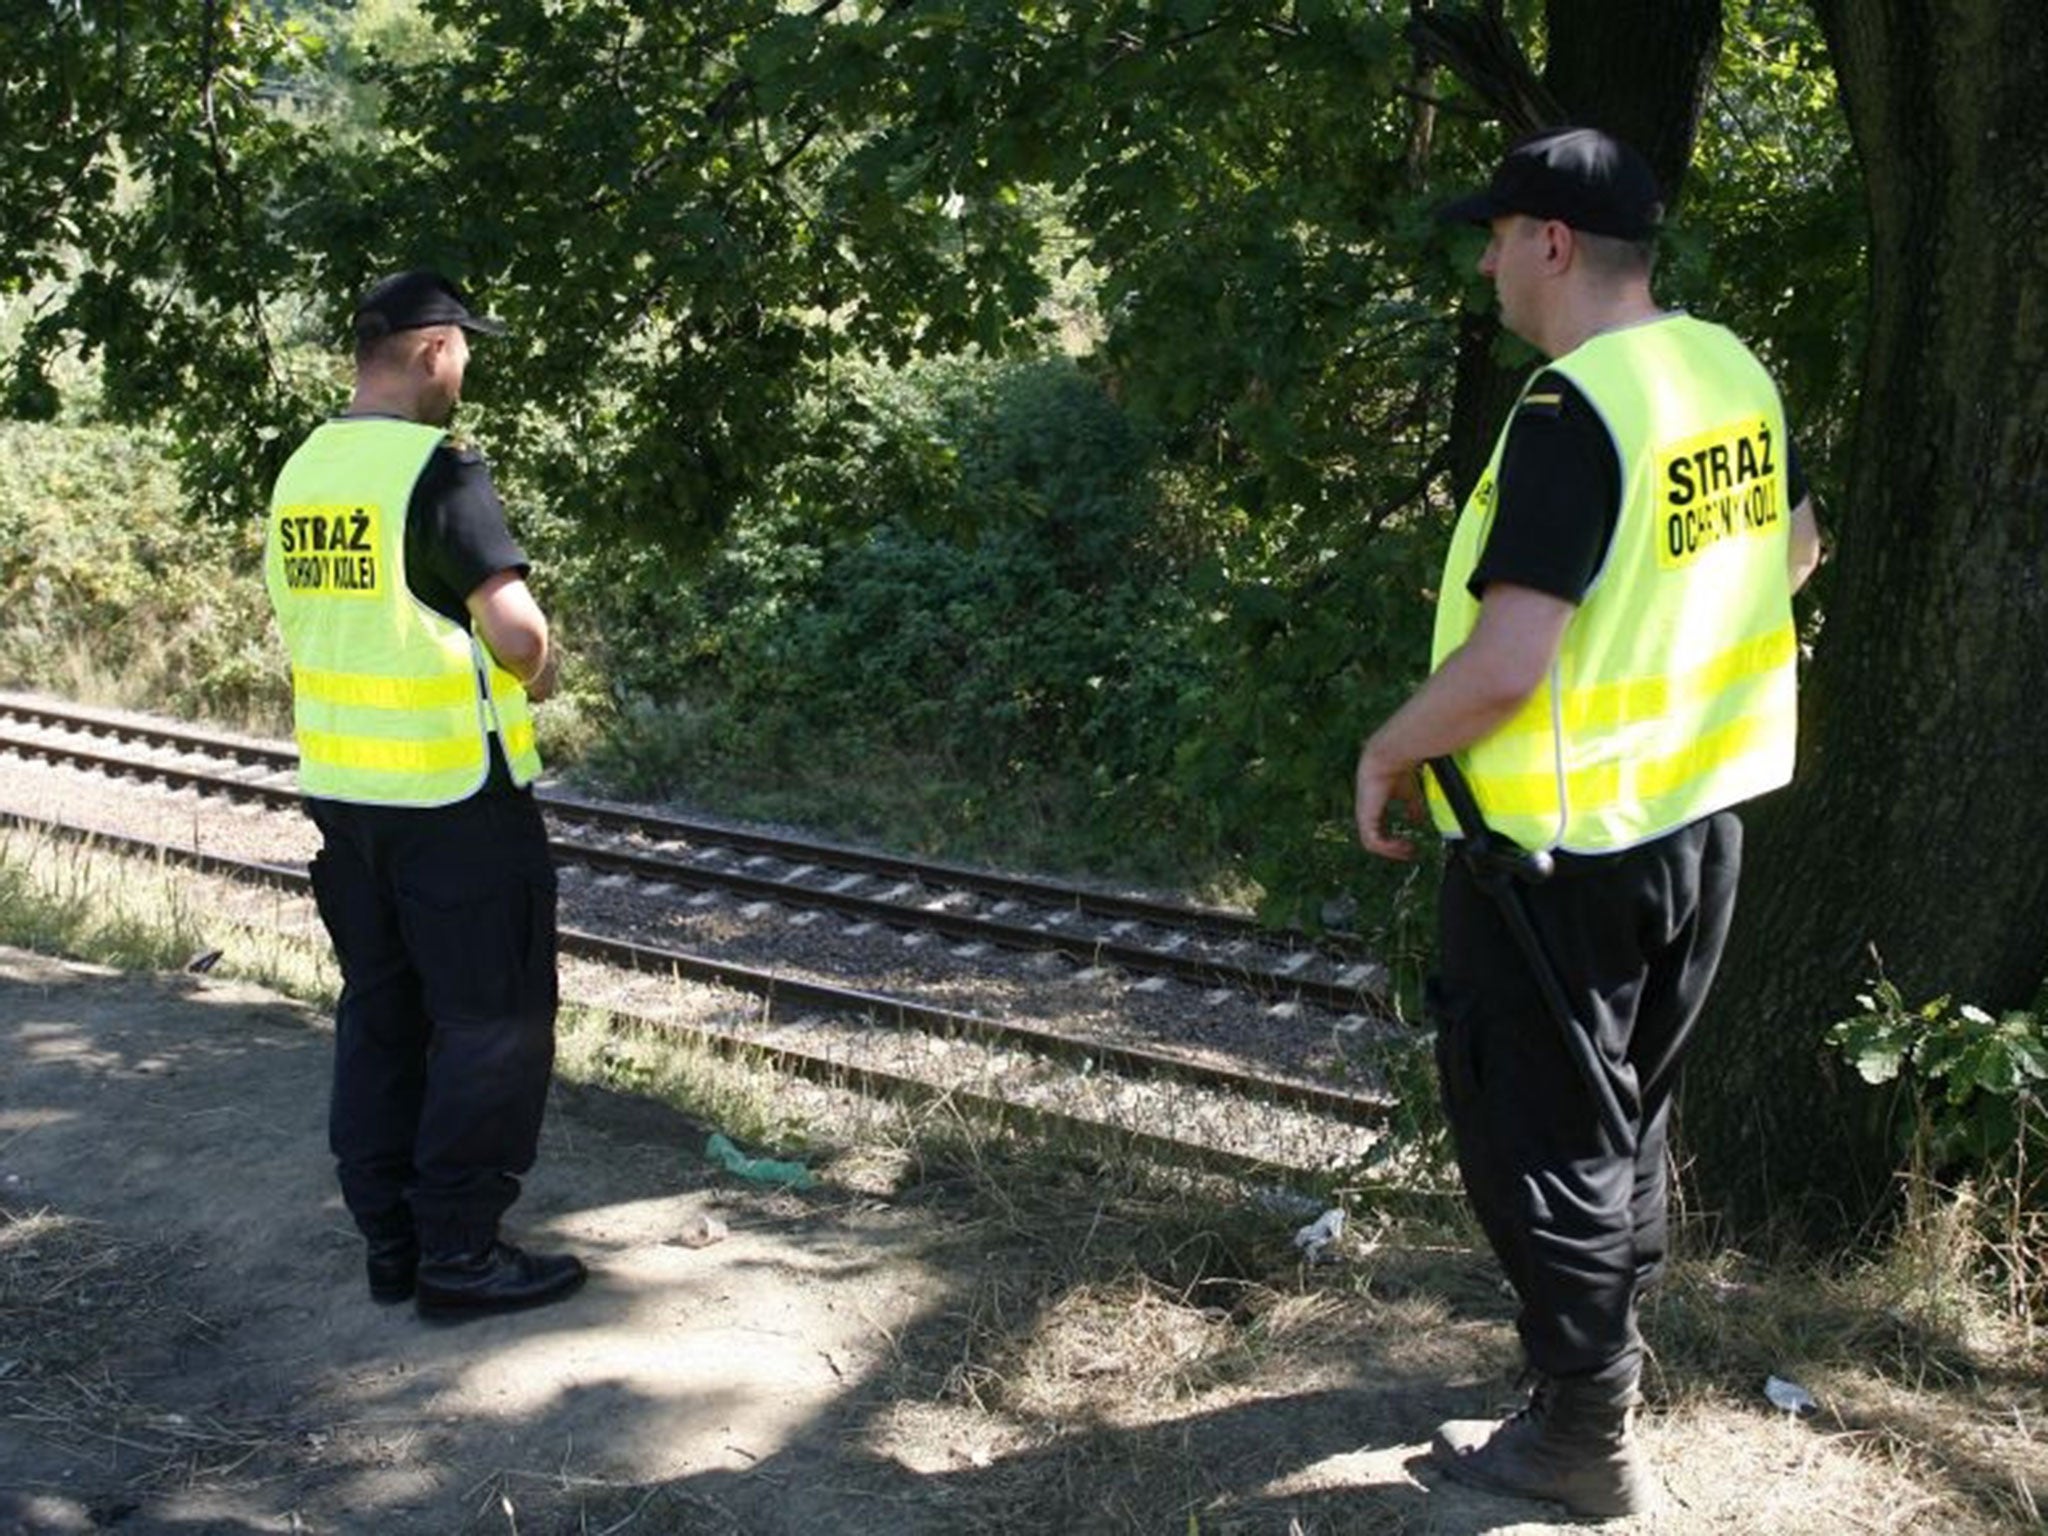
985,616
964,588
109,590
1971,1089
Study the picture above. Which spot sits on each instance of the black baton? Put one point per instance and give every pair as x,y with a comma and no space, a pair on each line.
1496,865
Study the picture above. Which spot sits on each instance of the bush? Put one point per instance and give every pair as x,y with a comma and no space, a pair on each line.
110,594
1973,1085
963,586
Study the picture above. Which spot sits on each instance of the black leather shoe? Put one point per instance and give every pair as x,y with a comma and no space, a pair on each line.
500,1278
392,1264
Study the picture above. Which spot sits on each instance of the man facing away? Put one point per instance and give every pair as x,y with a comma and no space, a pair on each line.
415,650
1613,667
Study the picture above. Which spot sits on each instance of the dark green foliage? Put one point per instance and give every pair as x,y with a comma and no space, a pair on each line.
1179,584
986,603
141,190
1774,238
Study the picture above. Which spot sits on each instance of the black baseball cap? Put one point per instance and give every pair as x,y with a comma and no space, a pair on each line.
1580,176
410,300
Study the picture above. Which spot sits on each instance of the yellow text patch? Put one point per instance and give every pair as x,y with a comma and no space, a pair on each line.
1724,484
330,551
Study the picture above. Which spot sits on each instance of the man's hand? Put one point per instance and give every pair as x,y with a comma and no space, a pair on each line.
1381,784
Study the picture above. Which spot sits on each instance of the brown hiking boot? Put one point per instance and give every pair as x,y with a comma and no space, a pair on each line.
1570,1444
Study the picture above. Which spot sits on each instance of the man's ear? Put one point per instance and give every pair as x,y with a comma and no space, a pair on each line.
1557,244
433,343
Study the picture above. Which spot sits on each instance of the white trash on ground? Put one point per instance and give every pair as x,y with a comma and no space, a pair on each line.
1320,1234
1791,1397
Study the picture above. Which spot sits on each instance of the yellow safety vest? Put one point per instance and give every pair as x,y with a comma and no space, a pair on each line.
392,702
1673,692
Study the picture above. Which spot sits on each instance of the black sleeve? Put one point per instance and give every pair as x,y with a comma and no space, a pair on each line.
1557,497
1796,488
455,533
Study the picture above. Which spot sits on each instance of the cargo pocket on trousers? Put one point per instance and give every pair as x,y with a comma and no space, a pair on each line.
326,898
541,978
365,946
473,949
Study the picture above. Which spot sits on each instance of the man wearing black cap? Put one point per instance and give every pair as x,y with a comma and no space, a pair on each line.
1613,671
416,651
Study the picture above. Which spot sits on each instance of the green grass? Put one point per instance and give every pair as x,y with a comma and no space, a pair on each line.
60,899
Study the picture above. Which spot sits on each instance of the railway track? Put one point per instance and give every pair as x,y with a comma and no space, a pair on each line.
1205,946
1143,1087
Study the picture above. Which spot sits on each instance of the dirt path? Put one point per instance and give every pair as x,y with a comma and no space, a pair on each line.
186,1344
220,1311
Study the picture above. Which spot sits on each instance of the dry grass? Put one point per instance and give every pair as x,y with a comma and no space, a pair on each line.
60,895
1919,1362
73,1297
1140,1331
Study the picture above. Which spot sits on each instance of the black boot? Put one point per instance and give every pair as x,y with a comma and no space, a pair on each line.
493,1277
394,1256
392,1265
1571,1444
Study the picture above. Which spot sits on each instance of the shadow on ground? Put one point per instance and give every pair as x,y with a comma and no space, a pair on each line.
186,1344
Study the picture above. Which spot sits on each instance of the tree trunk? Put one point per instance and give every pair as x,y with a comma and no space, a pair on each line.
1924,747
1638,71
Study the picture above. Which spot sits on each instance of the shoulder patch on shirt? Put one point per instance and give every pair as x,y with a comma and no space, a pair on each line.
1545,404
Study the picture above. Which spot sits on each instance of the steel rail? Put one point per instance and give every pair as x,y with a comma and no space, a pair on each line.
780,991
654,868
1211,922
967,926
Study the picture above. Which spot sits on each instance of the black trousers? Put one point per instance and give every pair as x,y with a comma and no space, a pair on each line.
1635,938
444,924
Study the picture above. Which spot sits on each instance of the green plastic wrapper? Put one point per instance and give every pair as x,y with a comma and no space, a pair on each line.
762,1170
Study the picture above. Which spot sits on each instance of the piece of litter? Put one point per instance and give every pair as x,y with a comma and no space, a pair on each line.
1791,1397
1319,1234
763,1170
703,1231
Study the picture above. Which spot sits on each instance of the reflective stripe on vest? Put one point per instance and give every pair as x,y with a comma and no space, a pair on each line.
1673,695
392,702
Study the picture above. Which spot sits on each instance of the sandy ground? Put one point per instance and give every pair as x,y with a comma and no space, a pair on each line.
186,1344
184,1120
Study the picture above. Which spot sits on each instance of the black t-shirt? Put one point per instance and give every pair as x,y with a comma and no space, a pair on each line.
455,533
1559,495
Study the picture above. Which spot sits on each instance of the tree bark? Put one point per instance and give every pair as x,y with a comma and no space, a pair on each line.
1640,71
1915,823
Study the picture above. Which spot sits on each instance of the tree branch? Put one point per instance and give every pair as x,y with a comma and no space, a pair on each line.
1128,44
1482,52
1444,104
